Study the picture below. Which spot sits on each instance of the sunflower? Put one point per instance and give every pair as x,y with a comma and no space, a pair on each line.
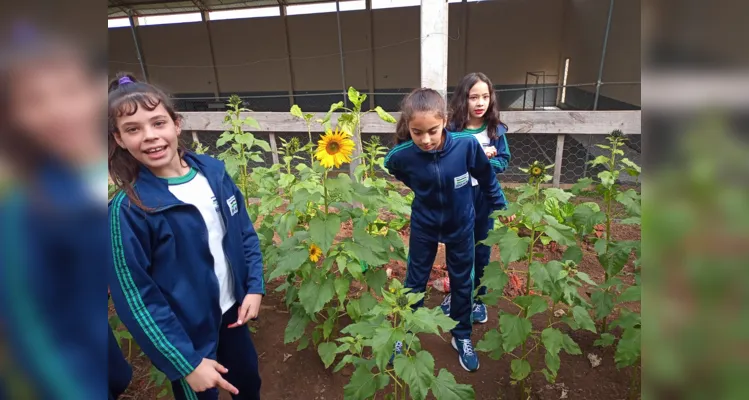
536,170
334,148
315,253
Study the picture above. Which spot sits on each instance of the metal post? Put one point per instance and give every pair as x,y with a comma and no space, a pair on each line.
137,45
558,160
340,49
603,55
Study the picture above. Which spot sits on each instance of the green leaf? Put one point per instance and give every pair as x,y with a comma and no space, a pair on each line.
558,194
520,369
552,338
553,362
582,317
494,277
632,293
513,246
296,326
417,372
569,345
289,263
534,212
327,352
384,115
585,218
341,186
632,168
365,254
323,232
430,321
353,96
364,328
315,295
347,359
303,343
600,160
224,139
573,253
628,349
631,221
585,278
561,234
376,279
515,330
607,179
383,343
364,384
288,222
366,302
581,185
342,285
492,344
631,201
618,254
296,111
445,387
263,145
534,304
606,340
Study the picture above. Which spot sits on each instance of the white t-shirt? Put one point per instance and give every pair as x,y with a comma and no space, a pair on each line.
194,189
483,137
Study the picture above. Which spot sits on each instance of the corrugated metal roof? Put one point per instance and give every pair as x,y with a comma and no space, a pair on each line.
119,8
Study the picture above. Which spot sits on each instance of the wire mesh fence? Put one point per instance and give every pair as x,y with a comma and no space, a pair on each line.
578,151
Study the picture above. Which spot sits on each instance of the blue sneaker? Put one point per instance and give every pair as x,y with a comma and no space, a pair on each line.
479,312
446,305
468,358
398,349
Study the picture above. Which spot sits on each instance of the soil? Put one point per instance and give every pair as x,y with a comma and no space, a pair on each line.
291,374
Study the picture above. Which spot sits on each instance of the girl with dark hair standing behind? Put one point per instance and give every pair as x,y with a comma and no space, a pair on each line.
437,166
185,267
474,111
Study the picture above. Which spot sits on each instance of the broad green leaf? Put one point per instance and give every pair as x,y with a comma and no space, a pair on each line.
558,194
445,387
417,372
632,168
327,352
492,344
562,234
263,145
288,222
534,304
353,96
631,201
224,139
534,212
347,359
494,277
315,295
607,179
631,221
513,246
364,384
573,253
333,108
365,254
632,293
323,232
628,349
430,321
342,285
585,278
581,185
520,369
569,345
376,279
384,115
289,263
553,362
297,324
618,254
515,330
585,219
303,343
627,320
296,111
341,186
327,327
583,318
353,310
600,160
552,338
366,302
600,246
605,340
383,343
364,328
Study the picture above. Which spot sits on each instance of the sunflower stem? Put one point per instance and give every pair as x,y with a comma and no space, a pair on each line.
325,189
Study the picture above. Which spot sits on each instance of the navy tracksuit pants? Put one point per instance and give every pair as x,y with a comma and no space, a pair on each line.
421,254
481,230
237,353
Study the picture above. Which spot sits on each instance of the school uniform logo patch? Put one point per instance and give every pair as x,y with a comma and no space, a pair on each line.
232,202
461,180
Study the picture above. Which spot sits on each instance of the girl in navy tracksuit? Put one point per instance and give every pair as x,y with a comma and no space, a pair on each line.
186,272
474,110
438,166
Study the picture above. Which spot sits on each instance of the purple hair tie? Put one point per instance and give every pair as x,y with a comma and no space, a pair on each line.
124,80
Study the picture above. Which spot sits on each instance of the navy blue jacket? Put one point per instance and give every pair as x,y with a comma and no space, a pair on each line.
442,209
161,269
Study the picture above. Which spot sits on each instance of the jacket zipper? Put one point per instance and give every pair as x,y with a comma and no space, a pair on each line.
439,181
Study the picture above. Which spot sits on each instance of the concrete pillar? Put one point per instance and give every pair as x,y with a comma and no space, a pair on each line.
434,38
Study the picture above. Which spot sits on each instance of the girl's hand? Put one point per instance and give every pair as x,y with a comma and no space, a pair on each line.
249,310
490,151
506,220
208,375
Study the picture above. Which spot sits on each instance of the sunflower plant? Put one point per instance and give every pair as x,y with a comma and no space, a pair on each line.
549,286
614,254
